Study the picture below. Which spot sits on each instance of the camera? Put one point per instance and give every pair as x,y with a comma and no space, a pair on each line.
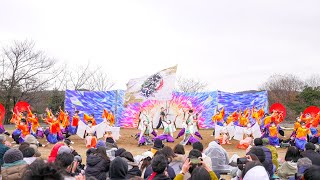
242,160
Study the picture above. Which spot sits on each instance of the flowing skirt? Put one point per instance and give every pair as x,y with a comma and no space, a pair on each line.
300,143
166,137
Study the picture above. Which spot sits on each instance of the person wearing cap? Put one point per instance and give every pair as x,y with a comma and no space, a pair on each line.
33,143
14,166
3,147
158,145
311,154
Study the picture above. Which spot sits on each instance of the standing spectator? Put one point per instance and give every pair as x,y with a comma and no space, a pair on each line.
3,147
98,164
206,159
289,167
133,168
118,169
311,154
179,158
159,165
14,166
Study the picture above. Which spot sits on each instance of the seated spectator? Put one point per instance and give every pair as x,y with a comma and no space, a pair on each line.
98,164
42,170
133,168
66,165
68,143
28,155
3,148
54,152
267,163
159,165
111,148
179,158
206,159
170,170
312,173
273,150
310,152
254,170
118,169
145,161
289,167
119,152
14,166
303,164
196,170
259,143
33,143
158,145
219,159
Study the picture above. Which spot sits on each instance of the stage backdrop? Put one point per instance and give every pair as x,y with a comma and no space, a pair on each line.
204,103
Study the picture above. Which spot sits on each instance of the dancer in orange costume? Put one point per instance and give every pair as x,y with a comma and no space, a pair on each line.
36,130
218,118
90,138
74,123
88,118
53,133
301,138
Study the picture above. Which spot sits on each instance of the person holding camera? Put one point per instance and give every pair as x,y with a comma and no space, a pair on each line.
195,166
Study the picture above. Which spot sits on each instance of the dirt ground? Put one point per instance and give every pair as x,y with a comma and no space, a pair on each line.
128,142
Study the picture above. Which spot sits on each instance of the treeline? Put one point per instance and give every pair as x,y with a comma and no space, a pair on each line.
296,94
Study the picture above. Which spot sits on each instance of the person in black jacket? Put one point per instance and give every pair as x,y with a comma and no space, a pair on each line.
170,170
159,165
311,154
118,169
133,168
98,163
267,163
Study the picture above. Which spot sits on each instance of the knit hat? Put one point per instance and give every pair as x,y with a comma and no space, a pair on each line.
64,149
265,141
12,155
101,143
30,139
158,144
310,146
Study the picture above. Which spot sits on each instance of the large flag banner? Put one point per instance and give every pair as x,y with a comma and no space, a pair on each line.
158,86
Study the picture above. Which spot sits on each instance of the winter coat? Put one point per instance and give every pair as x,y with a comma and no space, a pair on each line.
177,163
13,171
118,169
54,152
274,155
287,169
3,149
149,171
133,169
97,167
313,156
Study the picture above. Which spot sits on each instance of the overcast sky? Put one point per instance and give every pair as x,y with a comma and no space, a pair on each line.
232,45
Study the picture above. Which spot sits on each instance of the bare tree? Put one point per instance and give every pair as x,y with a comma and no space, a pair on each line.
313,81
190,85
25,71
84,78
